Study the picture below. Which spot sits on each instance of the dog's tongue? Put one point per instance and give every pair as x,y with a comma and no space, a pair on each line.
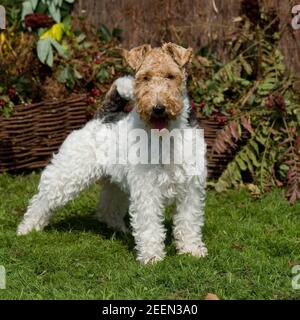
159,124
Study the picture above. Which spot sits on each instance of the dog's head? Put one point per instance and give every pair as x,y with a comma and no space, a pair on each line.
159,81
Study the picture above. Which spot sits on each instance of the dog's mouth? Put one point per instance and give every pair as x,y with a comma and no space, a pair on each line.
159,123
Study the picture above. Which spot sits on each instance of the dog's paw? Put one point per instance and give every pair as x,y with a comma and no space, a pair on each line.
150,259
199,252
25,228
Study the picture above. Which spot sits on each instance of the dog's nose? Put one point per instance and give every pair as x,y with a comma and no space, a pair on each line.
159,110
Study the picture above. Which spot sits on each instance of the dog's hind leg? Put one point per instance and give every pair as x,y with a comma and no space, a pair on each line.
70,171
113,206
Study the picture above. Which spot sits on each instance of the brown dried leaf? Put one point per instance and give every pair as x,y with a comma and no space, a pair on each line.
291,263
212,296
237,246
234,130
246,123
225,139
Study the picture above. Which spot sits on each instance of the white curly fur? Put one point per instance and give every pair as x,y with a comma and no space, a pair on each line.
143,190
125,87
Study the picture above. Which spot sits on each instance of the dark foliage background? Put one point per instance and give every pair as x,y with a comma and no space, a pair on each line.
198,23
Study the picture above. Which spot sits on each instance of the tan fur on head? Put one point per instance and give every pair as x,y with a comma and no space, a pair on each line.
181,55
135,56
159,79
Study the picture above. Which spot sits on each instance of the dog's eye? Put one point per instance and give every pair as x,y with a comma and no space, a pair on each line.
170,76
146,78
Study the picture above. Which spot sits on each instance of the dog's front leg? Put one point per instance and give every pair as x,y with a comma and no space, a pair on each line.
189,218
146,217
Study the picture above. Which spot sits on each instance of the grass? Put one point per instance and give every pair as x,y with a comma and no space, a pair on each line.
252,246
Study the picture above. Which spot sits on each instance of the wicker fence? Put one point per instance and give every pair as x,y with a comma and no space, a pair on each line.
30,136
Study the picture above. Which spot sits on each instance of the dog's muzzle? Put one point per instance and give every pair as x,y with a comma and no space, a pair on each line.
159,111
159,118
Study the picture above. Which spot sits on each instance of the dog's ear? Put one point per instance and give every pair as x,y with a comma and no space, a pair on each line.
179,54
135,56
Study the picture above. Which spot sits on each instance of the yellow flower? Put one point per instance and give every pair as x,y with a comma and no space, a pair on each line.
2,38
56,32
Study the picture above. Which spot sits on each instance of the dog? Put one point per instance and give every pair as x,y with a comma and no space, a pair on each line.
161,104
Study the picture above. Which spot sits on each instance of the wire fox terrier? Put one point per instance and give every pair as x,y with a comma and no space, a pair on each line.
161,105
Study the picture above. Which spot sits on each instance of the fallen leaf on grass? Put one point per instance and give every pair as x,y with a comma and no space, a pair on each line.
237,246
211,296
291,264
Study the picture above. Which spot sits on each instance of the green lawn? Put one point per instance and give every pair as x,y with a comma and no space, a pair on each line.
252,246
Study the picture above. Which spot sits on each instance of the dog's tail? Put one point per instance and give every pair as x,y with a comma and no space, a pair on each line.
116,102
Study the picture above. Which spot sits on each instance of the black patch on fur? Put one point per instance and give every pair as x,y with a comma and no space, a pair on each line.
192,119
112,109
